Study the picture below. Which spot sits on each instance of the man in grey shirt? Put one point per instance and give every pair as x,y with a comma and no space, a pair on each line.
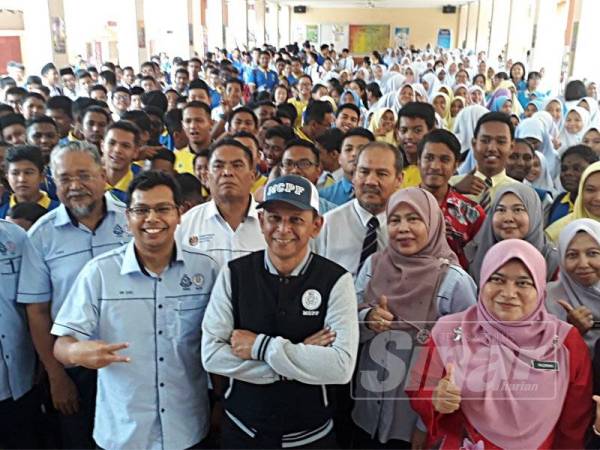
282,325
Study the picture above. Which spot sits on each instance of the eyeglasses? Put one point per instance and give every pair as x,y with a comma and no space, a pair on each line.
81,178
301,164
160,210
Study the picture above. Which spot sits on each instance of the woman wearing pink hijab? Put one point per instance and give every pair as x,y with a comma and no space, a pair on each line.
505,374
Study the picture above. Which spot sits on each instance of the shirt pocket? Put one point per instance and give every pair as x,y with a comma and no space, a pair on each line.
189,312
9,275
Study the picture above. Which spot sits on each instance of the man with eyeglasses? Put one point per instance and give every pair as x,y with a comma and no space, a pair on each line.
87,223
136,313
227,226
301,158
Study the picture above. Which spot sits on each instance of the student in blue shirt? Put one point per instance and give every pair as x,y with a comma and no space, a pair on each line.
18,400
136,313
262,78
342,190
86,224
25,173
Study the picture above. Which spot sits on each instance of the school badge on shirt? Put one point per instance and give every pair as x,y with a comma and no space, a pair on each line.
311,300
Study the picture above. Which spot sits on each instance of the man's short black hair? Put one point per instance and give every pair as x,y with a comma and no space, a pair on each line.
95,108
31,153
164,154
82,73
47,68
137,90
109,77
331,140
16,90
245,134
440,136
139,118
351,106
62,103
149,179
99,87
128,126
6,82
199,84
191,187
495,117
79,106
297,142
398,158
122,89
359,131
228,141
41,119
182,70
156,98
204,153
33,79
34,95
12,119
232,80
4,108
197,104
583,151
173,121
27,210
288,111
282,131
419,110
316,111
240,110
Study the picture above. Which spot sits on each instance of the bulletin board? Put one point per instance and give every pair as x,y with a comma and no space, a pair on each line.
336,34
366,38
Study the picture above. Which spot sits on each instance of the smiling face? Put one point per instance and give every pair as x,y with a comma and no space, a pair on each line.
510,293
582,259
592,140
571,169
510,219
153,231
491,147
591,194
436,164
119,150
288,230
573,122
407,231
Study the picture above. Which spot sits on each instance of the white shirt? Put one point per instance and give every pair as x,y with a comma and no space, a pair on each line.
203,228
342,236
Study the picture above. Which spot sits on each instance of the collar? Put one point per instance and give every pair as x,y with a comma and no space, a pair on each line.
123,183
132,262
44,200
298,270
71,137
566,199
185,149
302,135
495,179
346,185
212,210
365,215
64,216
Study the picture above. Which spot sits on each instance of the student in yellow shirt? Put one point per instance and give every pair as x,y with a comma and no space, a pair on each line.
415,120
120,148
196,123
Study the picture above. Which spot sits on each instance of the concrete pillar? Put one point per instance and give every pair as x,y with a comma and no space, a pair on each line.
44,38
284,25
271,19
132,46
198,21
585,57
237,31
259,10
214,21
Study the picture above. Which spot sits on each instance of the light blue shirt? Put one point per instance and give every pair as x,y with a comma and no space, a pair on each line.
159,400
59,247
339,192
16,350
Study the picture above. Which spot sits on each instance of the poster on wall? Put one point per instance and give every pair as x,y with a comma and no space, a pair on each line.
336,34
59,35
312,34
401,36
366,38
443,38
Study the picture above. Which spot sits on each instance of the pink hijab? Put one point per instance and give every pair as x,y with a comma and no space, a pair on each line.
505,398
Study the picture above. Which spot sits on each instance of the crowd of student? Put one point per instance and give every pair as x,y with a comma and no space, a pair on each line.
299,248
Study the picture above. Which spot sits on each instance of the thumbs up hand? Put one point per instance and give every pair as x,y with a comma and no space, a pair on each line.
446,395
580,317
380,318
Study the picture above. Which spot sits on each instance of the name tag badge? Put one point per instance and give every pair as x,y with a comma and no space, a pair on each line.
545,365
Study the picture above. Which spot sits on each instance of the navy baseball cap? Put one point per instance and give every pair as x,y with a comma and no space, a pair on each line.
293,190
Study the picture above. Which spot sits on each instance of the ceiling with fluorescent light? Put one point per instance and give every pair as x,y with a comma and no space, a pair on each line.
373,3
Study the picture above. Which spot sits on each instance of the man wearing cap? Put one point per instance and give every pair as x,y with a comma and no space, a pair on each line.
281,324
